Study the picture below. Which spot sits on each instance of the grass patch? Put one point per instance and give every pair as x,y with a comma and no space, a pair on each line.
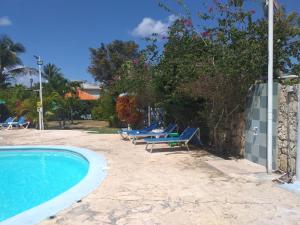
103,130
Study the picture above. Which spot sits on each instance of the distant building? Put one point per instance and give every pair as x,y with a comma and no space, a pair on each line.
91,89
87,91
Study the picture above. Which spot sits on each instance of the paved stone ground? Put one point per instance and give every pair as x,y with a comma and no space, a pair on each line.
168,187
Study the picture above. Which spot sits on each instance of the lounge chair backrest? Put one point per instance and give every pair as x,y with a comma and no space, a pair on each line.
188,133
21,120
170,128
9,120
151,127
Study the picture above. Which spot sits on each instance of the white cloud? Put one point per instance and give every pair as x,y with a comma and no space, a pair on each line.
149,26
5,21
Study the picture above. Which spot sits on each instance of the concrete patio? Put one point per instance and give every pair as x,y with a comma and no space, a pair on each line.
168,187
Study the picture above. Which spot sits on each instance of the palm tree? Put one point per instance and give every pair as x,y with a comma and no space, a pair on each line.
9,52
56,81
51,71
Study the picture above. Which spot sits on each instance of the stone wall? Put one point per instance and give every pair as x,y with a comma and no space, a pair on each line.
287,128
237,135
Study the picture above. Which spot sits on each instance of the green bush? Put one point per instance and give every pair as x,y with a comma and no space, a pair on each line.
105,110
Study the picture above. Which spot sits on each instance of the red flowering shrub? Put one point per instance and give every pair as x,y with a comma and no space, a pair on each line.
126,107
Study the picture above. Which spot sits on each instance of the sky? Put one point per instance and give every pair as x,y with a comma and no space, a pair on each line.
62,31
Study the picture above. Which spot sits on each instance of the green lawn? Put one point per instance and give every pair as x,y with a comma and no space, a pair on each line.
103,130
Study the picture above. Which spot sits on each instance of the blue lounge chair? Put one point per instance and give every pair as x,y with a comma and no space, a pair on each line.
184,138
125,132
134,136
7,122
21,123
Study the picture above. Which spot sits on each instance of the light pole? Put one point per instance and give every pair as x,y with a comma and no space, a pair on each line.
40,104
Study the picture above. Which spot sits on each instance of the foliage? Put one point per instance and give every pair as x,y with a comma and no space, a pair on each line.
19,101
136,79
127,109
124,69
203,75
9,52
13,98
108,59
51,71
105,109
207,70
28,107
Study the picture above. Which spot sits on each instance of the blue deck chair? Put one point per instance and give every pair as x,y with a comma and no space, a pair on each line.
21,123
125,132
184,138
134,136
7,122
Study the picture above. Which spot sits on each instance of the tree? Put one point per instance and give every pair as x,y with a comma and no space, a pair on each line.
136,79
9,52
108,59
205,71
61,101
56,81
105,109
20,101
51,71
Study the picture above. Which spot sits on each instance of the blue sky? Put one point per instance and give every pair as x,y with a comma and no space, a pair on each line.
62,31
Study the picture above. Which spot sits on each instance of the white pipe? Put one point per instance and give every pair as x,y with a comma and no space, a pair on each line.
270,88
298,139
41,121
149,115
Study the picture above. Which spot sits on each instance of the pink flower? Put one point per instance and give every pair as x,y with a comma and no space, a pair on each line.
210,10
252,11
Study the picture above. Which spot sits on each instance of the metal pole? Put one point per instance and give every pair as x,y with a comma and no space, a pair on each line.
298,139
270,87
41,121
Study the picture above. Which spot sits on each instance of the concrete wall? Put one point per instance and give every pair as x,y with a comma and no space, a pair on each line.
287,128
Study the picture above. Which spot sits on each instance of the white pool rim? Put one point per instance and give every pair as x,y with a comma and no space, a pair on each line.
95,175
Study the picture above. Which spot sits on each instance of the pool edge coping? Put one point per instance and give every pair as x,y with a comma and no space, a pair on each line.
97,169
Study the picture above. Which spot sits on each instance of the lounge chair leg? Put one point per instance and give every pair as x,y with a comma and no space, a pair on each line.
152,148
123,137
187,146
146,148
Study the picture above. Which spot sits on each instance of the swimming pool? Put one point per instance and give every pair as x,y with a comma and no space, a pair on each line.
38,181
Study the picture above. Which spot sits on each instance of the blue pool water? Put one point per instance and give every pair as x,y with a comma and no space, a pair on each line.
29,178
